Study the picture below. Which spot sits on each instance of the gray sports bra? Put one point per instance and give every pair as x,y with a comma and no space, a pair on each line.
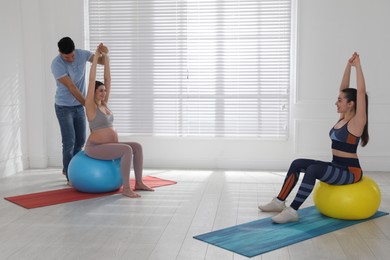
101,120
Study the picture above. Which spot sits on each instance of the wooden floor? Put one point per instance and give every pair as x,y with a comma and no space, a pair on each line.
161,224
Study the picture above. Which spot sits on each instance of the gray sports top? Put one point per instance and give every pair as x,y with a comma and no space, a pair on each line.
101,120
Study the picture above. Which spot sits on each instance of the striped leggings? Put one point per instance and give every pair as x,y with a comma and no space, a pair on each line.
340,171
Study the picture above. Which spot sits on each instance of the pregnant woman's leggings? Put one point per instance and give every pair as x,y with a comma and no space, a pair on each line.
126,151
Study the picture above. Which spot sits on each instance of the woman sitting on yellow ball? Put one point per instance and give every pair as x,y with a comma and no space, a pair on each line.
350,129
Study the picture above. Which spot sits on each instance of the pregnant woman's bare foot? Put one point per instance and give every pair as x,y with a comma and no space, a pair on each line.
142,186
129,193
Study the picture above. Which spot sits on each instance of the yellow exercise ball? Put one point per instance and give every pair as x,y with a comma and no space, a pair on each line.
352,201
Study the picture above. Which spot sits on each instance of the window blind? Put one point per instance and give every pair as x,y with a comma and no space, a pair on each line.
215,68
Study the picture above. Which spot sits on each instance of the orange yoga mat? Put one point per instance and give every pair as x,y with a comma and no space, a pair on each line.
48,198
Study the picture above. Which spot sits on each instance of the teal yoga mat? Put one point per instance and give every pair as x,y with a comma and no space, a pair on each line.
261,236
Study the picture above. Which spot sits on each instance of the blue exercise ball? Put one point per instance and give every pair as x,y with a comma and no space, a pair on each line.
90,175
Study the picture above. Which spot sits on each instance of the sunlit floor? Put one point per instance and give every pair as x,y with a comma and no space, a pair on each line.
161,224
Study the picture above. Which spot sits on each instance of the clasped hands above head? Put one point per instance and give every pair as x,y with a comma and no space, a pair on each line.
102,49
354,59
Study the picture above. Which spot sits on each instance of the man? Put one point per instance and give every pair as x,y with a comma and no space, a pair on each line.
68,69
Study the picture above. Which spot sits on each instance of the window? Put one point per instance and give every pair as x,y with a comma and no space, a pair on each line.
210,68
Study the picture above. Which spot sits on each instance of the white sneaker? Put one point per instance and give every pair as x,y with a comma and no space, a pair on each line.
274,206
287,215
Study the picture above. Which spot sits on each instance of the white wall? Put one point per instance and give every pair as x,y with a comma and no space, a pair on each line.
328,32
12,130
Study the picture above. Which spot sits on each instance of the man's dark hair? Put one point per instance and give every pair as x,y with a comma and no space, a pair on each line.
66,45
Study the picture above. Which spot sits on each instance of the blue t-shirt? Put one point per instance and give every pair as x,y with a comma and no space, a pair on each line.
76,71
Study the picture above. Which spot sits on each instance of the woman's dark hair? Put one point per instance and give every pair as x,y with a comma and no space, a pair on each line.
350,95
66,45
98,84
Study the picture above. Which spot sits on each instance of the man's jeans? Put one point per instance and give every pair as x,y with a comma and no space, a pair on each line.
73,131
